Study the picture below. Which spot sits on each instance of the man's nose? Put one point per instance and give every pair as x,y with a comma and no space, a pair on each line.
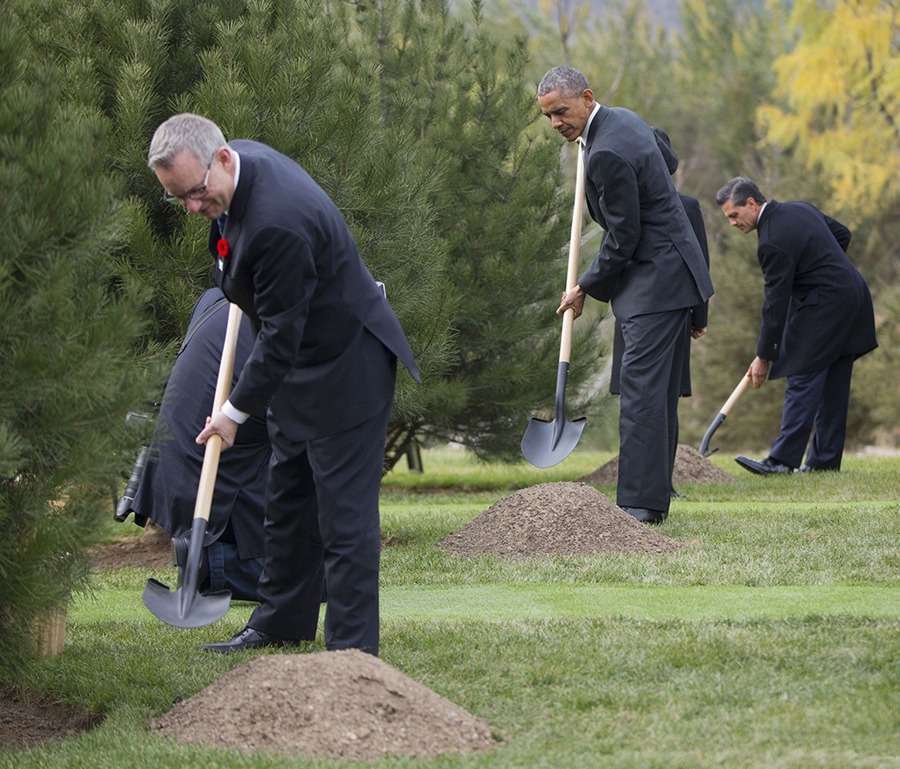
193,206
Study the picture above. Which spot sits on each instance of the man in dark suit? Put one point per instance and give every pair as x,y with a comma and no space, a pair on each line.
696,324
651,270
323,364
817,318
233,546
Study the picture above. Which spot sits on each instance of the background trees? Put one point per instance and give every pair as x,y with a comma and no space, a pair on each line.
420,120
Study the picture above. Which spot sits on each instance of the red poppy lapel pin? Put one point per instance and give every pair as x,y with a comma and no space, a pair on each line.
222,248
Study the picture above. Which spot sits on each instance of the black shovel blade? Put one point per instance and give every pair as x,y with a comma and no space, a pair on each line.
548,443
705,450
185,608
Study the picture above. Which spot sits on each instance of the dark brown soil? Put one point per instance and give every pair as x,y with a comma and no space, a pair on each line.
690,467
556,519
151,550
27,723
342,704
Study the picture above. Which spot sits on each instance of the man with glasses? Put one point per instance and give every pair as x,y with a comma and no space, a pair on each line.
323,363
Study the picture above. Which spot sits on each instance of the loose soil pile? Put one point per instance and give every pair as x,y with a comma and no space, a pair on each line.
690,467
556,519
342,704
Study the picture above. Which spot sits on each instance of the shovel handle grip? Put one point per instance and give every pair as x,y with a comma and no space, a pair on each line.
565,346
213,448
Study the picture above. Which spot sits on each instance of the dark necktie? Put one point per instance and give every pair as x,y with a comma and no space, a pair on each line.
222,220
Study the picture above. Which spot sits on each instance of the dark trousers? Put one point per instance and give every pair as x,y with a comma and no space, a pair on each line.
228,571
323,523
818,401
650,382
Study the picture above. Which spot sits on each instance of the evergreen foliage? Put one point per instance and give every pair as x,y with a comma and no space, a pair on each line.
67,327
498,210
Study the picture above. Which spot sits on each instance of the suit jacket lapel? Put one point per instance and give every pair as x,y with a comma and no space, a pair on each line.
593,194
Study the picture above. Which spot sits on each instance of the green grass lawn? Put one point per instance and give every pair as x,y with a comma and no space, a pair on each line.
771,640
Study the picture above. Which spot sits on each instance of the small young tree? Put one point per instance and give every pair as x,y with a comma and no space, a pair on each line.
67,326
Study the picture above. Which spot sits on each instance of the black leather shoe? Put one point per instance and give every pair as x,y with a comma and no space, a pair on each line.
642,514
248,638
767,466
808,469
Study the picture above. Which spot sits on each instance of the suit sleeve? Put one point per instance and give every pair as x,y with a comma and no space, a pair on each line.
284,279
619,204
778,271
840,232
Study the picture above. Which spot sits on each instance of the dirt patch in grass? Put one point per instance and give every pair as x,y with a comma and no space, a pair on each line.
152,550
560,518
341,704
690,467
25,723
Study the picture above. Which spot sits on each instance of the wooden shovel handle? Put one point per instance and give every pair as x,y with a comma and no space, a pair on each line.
736,393
214,444
565,347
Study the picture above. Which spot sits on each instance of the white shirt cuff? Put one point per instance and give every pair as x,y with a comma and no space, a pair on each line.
233,414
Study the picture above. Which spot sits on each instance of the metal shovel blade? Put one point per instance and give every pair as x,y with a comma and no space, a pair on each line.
548,443
185,607
705,450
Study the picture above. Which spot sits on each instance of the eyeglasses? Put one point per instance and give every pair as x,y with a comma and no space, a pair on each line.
195,194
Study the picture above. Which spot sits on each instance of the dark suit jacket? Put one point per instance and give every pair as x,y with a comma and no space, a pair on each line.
168,489
817,305
324,357
699,317
650,260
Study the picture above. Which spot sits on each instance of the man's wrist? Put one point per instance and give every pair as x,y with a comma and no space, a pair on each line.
235,415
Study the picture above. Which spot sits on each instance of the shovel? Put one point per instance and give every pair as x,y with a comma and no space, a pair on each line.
548,443
185,607
720,417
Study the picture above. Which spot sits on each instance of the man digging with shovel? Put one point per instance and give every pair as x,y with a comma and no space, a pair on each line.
650,269
817,318
323,364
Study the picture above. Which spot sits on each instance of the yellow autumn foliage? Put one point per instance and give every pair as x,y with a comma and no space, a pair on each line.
838,99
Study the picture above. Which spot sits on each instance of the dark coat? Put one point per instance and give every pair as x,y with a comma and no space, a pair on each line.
323,323
817,305
650,260
699,312
168,488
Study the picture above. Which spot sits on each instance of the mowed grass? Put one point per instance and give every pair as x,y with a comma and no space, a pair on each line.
770,640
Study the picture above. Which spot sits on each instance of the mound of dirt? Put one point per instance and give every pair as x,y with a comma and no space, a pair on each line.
690,467
341,704
559,518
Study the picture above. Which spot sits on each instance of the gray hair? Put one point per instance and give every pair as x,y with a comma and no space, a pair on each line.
738,191
567,80
184,133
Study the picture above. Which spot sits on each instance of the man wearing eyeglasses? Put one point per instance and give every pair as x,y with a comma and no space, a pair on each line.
323,363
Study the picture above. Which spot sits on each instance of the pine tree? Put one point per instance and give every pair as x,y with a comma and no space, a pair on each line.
67,326
498,210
